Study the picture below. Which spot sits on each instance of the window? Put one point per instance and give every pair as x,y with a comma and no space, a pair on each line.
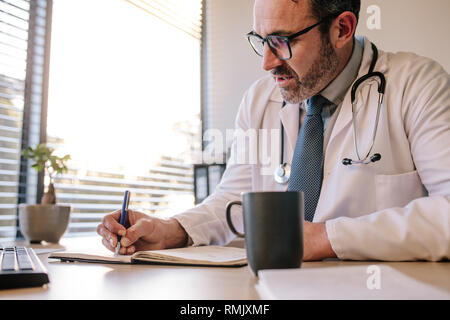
124,102
23,76
13,57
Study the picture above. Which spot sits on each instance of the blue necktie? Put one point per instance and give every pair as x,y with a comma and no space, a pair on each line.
306,172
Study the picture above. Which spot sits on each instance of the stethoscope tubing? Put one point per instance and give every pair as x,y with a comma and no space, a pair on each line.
280,173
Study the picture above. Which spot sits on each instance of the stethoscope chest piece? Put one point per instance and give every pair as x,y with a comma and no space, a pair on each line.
282,173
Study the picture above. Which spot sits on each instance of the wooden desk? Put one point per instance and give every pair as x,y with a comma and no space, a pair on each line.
108,281
111,281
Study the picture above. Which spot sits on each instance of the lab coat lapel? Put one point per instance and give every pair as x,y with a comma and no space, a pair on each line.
289,116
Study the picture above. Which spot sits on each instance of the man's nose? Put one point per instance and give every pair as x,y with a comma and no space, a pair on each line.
270,60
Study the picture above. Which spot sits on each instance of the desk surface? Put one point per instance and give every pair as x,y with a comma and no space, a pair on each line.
110,281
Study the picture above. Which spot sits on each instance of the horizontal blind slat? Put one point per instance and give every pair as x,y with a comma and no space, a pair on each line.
188,23
127,182
93,197
116,189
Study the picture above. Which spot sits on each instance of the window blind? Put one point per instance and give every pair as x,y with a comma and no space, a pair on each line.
24,66
23,77
14,22
92,194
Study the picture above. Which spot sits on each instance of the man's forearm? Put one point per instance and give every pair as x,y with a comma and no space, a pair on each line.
176,236
325,249
316,245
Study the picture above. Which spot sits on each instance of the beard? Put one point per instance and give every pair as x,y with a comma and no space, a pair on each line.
318,76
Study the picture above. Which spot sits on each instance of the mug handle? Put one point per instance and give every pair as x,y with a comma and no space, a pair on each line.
230,223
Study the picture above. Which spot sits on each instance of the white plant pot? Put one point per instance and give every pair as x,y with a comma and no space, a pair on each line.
43,222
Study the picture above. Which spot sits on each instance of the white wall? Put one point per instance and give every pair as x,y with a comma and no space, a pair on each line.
231,64
419,26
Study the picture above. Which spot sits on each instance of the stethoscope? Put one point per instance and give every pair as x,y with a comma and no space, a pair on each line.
283,170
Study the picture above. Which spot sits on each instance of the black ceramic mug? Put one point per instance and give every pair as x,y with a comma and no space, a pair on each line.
273,226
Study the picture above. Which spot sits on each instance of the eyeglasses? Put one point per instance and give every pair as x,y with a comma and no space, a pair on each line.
279,45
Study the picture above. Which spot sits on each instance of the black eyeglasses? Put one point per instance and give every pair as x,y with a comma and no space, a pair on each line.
279,45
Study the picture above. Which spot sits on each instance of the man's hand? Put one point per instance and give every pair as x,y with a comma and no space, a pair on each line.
316,245
142,233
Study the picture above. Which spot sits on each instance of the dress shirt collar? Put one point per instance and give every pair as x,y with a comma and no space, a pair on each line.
336,90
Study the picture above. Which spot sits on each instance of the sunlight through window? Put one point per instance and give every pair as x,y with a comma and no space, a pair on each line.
124,101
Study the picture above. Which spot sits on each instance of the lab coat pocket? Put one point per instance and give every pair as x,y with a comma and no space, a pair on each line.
398,190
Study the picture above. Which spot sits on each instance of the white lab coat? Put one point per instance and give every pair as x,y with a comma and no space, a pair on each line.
395,209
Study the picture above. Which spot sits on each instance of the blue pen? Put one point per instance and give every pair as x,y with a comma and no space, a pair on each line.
123,217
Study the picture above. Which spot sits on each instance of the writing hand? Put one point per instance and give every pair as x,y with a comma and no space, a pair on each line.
142,232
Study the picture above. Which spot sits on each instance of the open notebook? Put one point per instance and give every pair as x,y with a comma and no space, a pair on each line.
199,256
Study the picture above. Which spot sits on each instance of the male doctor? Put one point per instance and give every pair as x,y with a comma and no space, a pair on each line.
394,209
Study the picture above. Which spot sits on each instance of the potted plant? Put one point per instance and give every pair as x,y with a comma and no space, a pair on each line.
48,220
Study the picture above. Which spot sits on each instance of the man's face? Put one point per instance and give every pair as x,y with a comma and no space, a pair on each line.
314,62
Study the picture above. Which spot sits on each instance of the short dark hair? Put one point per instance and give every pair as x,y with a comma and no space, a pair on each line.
323,8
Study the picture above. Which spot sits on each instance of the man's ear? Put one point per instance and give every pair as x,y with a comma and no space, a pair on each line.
342,29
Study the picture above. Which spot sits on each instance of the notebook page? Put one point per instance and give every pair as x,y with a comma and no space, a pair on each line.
213,254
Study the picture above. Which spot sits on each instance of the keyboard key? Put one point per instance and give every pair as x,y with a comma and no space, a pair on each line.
24,259
9,261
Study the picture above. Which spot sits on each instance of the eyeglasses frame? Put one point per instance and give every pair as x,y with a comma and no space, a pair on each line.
285,38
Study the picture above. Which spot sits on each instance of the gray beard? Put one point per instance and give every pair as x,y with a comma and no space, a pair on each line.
319,75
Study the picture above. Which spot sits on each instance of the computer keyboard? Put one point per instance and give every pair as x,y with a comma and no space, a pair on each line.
20,268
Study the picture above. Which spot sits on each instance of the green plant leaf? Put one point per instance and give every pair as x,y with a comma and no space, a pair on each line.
43,159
